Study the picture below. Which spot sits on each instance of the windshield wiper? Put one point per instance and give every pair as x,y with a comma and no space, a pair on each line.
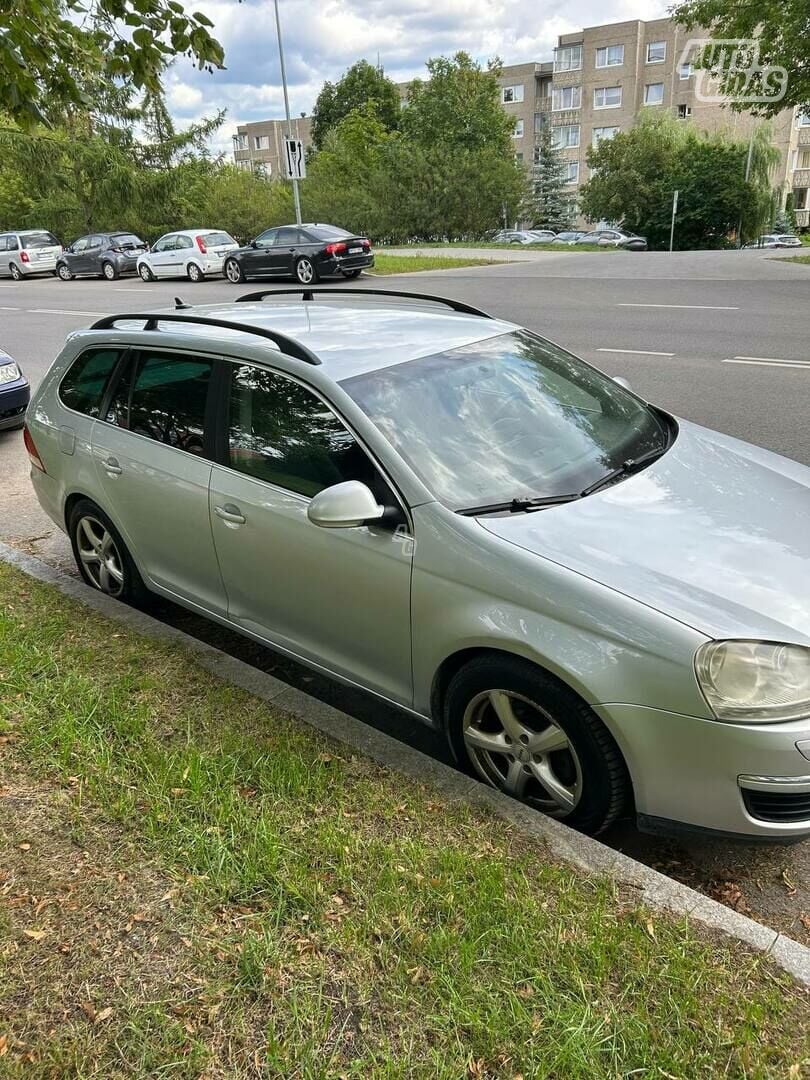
518,506
626,467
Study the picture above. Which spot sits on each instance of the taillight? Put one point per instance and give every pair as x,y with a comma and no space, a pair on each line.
33,453
366,245
201,245
24,257
336,249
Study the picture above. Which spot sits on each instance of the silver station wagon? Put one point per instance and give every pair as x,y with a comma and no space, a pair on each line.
606,610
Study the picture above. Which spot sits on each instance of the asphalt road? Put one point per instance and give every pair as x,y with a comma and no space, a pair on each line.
720,338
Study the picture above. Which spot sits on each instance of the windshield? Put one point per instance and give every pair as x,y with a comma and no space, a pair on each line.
38,240
511,417
327,232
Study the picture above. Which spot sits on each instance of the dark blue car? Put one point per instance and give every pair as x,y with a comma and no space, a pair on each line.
14,393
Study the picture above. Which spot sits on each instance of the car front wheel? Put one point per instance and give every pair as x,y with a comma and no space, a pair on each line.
527,734
234,272
101,555
145,273
63,272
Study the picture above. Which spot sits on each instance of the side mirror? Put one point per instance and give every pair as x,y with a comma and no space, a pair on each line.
620,379
344,506
253,244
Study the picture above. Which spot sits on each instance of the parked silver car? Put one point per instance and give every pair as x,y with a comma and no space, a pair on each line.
28,253
604,608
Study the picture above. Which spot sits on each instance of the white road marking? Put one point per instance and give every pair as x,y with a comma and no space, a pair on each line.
772,359
132,288
60,311
690,307
769,363
9,309
637,352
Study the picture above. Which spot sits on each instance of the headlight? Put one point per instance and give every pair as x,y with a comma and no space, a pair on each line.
755,681
9,372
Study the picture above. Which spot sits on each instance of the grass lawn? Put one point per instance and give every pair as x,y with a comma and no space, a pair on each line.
792,258
409,264
195,885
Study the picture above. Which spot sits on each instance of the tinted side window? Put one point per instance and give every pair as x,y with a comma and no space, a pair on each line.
267,238
282,433
3,243
162,396
13,244
83,386
289,236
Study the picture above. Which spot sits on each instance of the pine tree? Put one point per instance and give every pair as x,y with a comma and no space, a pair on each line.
549,205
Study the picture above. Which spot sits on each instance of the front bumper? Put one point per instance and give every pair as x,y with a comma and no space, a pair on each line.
702,773
14,398
338,265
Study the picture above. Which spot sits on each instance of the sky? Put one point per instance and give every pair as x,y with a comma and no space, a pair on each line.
322,38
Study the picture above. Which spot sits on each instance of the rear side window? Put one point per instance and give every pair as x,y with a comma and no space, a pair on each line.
83,386
3,243
282,433
163,396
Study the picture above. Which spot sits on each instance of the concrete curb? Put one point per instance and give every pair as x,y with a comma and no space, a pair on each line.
655,889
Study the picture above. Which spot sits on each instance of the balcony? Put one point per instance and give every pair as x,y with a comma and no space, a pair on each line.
802,218
804,136
801,178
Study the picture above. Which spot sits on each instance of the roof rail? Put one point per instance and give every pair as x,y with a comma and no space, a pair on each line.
289,346
310,294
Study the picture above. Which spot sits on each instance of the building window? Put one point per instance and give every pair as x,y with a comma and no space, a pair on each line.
568,58
567,135
566,97
802,159
261,142
610,56
240,141
511,94
654,93
803,120
539,122
519,158
685,71
602,133
518,132
571,174
656,52
684,112
607,97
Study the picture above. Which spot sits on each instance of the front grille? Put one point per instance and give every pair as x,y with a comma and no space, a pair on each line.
778,806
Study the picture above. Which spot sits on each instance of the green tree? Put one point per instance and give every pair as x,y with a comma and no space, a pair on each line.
634,174
458,107
549,205
361,87
244,203
62,54
781,29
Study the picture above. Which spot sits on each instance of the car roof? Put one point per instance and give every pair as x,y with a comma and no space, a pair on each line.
350,336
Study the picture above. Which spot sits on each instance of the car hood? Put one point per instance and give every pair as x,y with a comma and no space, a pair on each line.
716,534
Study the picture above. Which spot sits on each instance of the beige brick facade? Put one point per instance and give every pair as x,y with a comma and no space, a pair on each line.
261,145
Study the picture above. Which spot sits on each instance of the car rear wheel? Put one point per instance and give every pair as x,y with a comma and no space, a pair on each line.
145,273
305,272
15,271
63,272
195,274
109,270
234,272
101,555
527,734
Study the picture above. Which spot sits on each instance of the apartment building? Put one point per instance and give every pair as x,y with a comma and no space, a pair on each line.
603,79
260,145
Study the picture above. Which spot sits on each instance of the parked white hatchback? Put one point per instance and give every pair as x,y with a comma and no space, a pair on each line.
189,253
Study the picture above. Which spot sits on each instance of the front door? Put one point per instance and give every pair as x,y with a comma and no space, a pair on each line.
338,597
163,255
258,259
149,452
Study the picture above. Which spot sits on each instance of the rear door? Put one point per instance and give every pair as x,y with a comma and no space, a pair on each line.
150,451
288,244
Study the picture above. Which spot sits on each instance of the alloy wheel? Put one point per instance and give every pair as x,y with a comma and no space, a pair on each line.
145,272
305,271
194,273
516,746
99,555
233,272
64,272
16,273
109,271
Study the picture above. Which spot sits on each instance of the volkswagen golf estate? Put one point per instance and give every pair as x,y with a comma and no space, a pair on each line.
604,608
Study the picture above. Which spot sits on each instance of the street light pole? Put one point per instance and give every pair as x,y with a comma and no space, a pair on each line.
296,196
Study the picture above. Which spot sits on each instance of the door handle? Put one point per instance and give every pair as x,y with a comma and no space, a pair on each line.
112,467
230,513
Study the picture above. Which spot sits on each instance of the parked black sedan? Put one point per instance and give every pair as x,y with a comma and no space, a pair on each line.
107,255
306,253
14,393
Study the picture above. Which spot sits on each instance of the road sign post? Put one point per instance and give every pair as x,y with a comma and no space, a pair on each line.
293,177
674,212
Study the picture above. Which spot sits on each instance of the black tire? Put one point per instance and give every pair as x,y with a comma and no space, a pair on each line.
132,590
194,273
64,273
109,271
233,272
352,275
592,761
16,273
144,273
304,271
